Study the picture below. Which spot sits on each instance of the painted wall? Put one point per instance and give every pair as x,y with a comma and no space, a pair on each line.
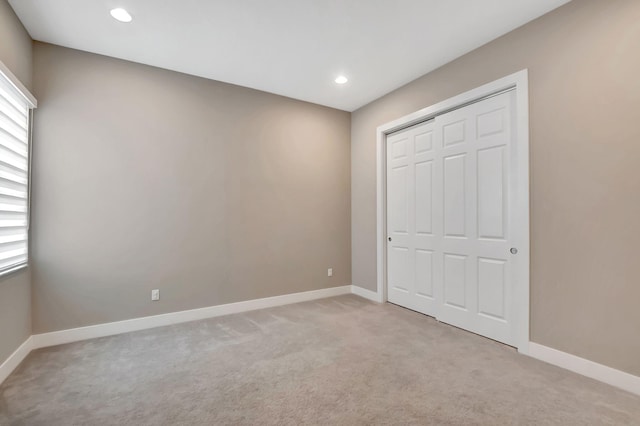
584,63
15,45
15,288
146,178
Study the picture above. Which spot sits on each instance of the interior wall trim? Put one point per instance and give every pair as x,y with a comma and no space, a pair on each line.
593,370
587,368
18,86
61,337
367,294
14,360
109,329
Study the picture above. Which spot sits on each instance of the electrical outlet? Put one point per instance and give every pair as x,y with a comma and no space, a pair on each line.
155,294
330,272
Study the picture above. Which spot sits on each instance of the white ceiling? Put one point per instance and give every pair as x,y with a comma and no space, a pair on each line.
294,48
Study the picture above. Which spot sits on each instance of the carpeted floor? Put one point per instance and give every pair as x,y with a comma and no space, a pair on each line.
342,360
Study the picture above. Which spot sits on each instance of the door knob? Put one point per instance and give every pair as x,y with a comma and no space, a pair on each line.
389,238
514,250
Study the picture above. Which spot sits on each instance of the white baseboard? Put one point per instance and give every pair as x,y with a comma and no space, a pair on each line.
15,359
108,329
570,362
367,294
591,369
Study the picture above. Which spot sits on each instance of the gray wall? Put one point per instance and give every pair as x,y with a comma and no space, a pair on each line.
15,291
15,45
146,178
584,64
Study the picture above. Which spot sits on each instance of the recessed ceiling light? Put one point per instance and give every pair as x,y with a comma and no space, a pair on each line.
121,15
341,79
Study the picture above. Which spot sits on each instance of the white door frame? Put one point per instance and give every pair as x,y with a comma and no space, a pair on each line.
519,82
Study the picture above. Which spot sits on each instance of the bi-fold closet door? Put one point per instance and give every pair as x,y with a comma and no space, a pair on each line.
450,185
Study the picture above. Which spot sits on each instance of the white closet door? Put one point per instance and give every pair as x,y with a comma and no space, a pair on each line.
448,206
411,225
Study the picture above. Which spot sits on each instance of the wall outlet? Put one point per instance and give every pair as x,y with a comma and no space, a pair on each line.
155,294
330,272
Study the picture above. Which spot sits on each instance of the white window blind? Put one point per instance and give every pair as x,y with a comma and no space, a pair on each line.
14,175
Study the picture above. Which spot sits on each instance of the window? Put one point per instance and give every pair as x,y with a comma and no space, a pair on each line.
15,116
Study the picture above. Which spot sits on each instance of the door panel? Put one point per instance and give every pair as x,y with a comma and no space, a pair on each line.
448,217
410,218
424,273
453,132
424,141
455,281
455,196
491,193
491,287
424,197
399,200
400,277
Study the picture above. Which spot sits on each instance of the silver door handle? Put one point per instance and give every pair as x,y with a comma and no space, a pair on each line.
514,250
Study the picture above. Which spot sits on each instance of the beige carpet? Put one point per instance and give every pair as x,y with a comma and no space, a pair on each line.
342,360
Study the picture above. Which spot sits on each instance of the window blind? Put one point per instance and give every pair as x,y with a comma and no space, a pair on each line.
14,176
